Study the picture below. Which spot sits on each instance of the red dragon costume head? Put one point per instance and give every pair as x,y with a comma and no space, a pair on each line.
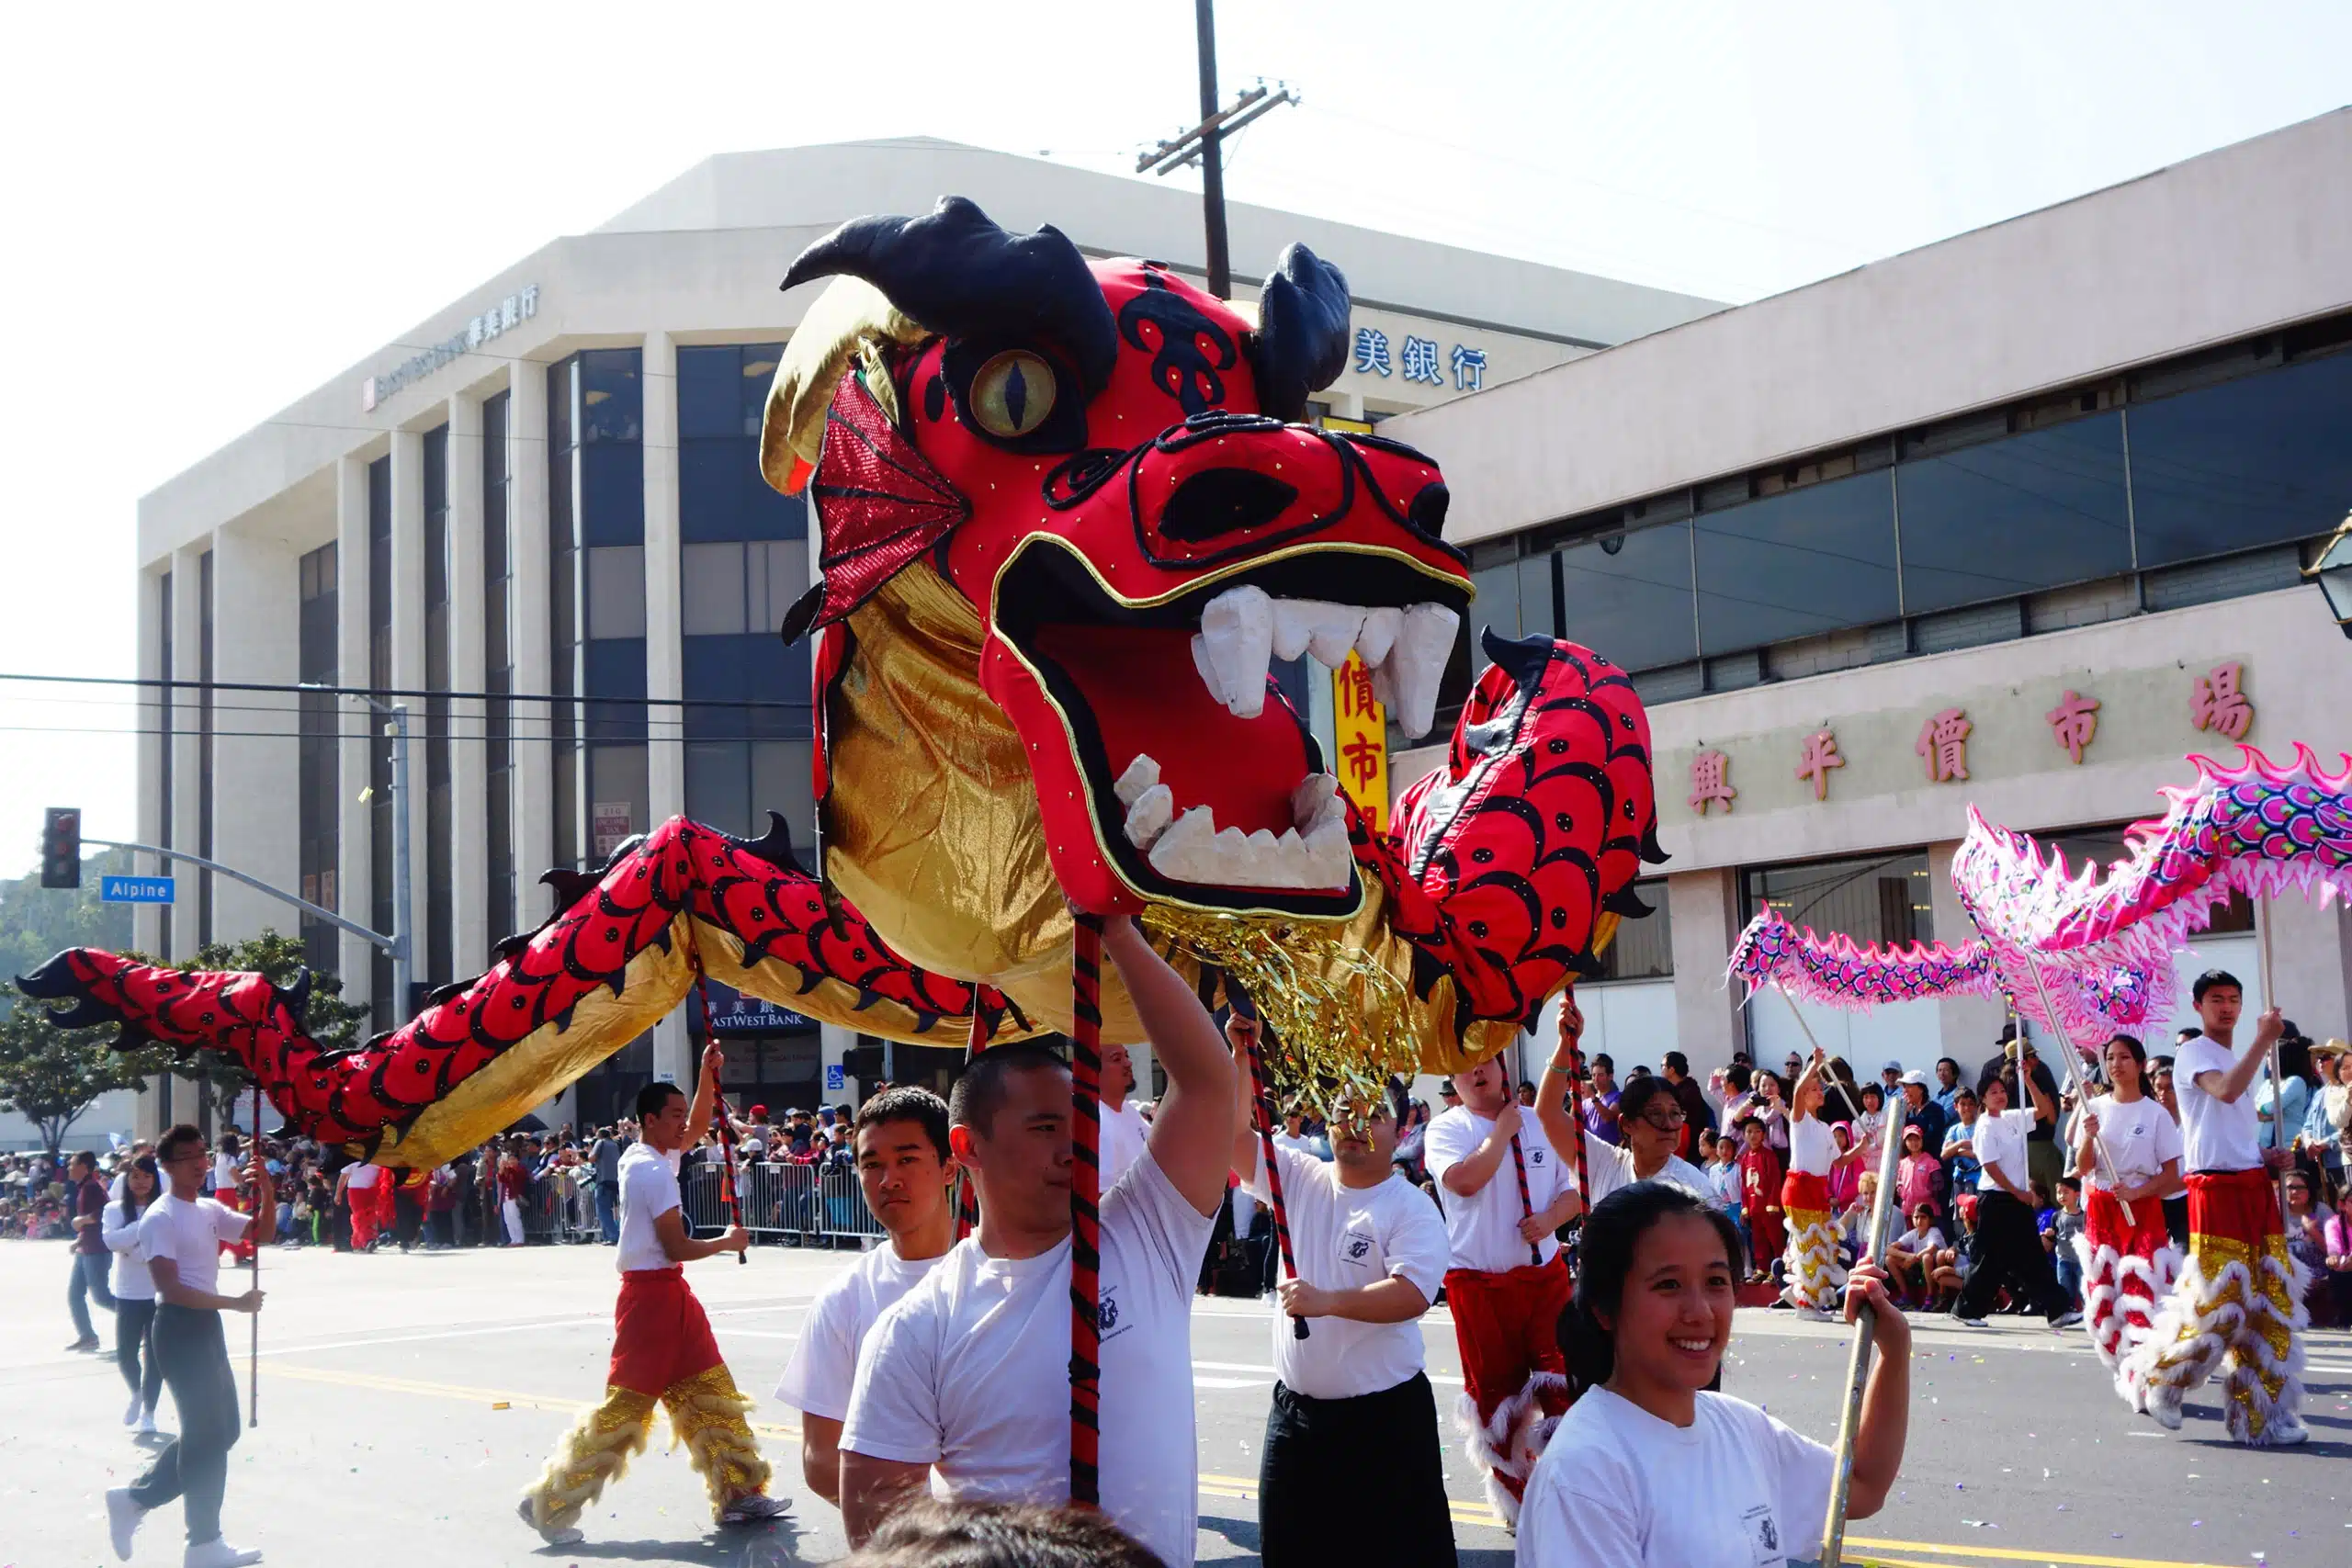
1068,517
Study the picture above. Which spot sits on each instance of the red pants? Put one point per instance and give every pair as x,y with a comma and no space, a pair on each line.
371,1211
2127,1267
1767,1237
661,1335
1506,1327
2238,1306
230,1198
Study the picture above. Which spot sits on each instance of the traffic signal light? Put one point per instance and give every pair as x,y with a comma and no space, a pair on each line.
60,847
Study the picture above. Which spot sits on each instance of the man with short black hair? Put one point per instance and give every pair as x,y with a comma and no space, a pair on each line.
662,1349
86,1200
967,1375
2006,1249
2238,1300
182,1233
606,1157
908,1174
1124,1128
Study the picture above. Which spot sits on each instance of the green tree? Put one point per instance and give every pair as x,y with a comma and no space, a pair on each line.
51,1076
37,922
332,1021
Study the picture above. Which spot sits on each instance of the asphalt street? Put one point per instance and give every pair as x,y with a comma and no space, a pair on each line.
404,1401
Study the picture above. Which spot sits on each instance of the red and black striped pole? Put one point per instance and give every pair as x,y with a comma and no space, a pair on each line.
265,1203
726,1190
1526,1204
967,1198
1572,1044
1086,1222
1262,1116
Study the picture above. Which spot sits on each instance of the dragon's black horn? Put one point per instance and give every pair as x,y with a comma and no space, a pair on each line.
957,273
1302,342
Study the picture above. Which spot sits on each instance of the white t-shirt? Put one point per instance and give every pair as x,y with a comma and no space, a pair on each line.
648,1190
1344,1237
190,1235
817,1379
1618,1488
969,1373
1917,1241
2216,1135
2000,1140
1609,1167
131,1281
228,1170
1123,1133
362,1175
1812,1149
2139,1138
1483,1228
1298,1143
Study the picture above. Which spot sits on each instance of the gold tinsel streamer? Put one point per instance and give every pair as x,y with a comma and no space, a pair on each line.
1339,1023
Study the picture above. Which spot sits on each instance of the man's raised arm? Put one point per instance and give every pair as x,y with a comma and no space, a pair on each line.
1192,1135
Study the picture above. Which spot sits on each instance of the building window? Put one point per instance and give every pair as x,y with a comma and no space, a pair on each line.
728,590
388,1008
1627,594
1871,898
1806,560
206,795
440,882
498,668
722,392
1643,948
318,799
2004,517
597,550
170,671
2254,461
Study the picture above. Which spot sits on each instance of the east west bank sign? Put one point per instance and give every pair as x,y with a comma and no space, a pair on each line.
498,318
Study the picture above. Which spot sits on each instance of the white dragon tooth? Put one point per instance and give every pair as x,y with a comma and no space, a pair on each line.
1183,853
1384,686
1418,665
1309,794
1202,662
1378,636
1332,811
1328,857
1149,815
1293,864
1238,630
1141,774
1265,856
1331,635
1294,624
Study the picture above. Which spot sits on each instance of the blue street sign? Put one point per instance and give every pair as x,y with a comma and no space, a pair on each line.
135,889
833,1077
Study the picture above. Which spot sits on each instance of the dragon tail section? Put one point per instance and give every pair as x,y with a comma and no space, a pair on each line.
629,945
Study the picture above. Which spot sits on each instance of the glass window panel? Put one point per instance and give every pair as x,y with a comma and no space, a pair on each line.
493,439
786,574
711,486
612,493
711,590
768,512
708,400
615,667
2008,517
560,422
2255,462
1628,596
781,781
612,402
617,592
758,372
1790,565
1643,948
617,796
718,786
1882,898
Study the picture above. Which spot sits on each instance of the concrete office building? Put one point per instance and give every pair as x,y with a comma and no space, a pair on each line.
1931,510
550,489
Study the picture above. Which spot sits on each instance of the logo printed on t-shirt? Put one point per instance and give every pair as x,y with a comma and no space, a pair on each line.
1106,1315
1535,1156
1757,1523
1355,1245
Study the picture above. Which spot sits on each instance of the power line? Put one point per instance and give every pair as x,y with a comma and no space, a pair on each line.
301,689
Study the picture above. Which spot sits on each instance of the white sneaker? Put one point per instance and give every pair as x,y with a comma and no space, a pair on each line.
554,1535
131,1412
123,1518
218,1553
146,1428
2064,1321
753,1507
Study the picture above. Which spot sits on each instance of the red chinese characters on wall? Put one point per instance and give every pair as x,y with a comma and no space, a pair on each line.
2073,723
1711,783
2217,701
1943,744
1820,756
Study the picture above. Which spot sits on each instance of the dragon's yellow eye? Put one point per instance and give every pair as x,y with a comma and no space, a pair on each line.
1012,394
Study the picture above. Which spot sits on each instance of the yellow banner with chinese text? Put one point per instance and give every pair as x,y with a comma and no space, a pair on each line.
1363,734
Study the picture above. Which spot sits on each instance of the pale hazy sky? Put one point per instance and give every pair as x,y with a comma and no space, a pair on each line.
216,208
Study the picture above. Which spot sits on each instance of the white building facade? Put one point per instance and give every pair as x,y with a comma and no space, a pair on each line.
2016,519
537,523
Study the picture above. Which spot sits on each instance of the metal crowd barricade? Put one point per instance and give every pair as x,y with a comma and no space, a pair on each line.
798,1204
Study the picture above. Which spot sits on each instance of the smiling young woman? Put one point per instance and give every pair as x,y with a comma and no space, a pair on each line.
1644,1338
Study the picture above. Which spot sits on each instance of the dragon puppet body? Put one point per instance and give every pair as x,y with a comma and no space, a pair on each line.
1068,518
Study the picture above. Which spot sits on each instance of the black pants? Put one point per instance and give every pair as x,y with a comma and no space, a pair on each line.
194,1354
1355,1480
2006,1250
134,1333
407,1217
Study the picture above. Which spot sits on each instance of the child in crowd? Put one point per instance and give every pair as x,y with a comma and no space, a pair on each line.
1911,1260
1759,1196
1723,1175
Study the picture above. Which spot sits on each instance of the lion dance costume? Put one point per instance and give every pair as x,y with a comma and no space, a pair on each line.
1814,1277
1070,512
2129,1263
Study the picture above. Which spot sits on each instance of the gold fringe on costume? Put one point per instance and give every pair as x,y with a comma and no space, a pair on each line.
1814,1274
2244,1312
706,1414
594,1453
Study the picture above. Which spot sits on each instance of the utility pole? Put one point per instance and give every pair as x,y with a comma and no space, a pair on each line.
1204,144
1211,155
398,946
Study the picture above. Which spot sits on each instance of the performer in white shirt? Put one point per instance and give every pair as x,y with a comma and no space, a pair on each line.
2128,1264
2240,1295
2005,1248
1505,1192
909,1179
968,1374
664,1352
1124,1128
1815,1276
1651,1470
1352,1416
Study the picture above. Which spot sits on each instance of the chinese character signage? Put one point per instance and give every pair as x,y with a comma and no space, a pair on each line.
1711,783
1820,756
1362,733
1943,743
609,826
2217,700
1419,359
2073,723
501,317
